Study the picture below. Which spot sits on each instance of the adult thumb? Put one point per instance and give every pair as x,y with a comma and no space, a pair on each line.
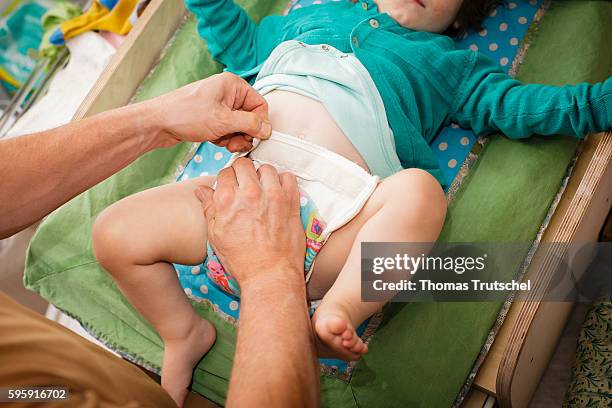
205,195
250,123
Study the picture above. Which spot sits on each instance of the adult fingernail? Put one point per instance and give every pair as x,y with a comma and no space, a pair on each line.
266,129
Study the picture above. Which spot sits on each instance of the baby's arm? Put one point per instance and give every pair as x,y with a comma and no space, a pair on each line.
491,100
232,37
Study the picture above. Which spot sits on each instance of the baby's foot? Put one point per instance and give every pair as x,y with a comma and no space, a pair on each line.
182,355
335,335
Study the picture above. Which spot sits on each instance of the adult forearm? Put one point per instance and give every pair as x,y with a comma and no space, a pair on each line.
274,331
40,172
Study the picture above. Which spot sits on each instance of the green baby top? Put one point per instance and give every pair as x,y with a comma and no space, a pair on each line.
424,80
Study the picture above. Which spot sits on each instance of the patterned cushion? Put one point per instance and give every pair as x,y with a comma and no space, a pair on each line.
591,384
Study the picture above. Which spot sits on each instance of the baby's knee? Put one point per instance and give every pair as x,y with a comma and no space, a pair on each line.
110,239
415,190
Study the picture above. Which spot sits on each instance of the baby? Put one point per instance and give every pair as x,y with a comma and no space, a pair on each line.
355,91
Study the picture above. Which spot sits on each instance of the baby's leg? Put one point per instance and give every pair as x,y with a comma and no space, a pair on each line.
409,206
134,240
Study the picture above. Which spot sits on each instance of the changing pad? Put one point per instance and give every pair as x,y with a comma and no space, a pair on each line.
499,40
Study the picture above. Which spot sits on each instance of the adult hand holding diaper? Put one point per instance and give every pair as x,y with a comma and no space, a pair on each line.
227,110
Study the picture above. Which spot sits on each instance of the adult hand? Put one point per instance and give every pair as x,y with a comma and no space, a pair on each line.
254,226
254,223
223,109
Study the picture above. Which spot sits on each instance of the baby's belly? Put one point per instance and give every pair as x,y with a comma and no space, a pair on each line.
302,117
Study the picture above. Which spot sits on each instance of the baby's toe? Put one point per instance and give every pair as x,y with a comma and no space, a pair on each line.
336,326
359,347
350,343
348,334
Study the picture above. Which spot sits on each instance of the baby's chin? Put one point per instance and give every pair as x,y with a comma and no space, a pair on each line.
413,21
418,26
413,17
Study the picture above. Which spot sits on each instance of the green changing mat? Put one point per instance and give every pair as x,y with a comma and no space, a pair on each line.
423,354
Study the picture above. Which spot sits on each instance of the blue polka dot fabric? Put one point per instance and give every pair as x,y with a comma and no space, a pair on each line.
500,39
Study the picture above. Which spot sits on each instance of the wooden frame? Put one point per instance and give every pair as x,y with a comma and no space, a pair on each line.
520,353
134,58
529,335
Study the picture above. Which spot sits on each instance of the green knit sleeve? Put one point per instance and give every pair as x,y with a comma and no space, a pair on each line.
490,100
233,38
